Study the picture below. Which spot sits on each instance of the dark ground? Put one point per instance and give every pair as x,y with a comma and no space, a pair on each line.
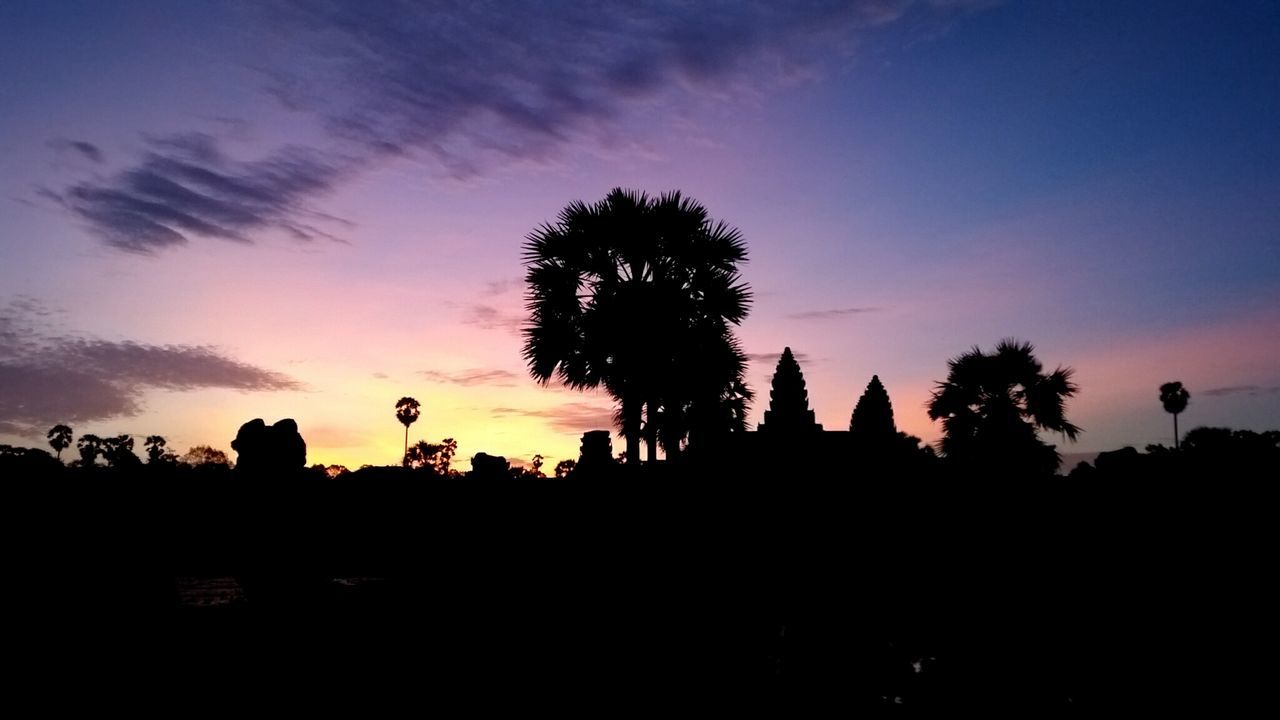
867,594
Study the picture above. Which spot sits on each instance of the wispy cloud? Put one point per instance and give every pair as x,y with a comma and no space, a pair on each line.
488,317
1250,390
82,148
576,417
473,86
834,314
501,287
184,187
468,88
475,376
772,358
52,377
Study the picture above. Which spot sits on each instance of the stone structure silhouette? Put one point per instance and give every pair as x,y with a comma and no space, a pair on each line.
489,467
596,452
872,418
264,449
789,400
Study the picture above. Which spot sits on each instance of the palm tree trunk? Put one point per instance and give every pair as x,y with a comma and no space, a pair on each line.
404,458
651,431
631,427
675,425
1175,431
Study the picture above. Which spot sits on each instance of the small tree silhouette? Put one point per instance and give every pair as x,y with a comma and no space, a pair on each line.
205,455
407,411
1174,397
437,457
118,451
155,446
59,439
89,447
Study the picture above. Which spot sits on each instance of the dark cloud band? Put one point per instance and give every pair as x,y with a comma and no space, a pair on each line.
50,378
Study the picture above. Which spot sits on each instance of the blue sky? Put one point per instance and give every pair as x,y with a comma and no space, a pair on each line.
299,210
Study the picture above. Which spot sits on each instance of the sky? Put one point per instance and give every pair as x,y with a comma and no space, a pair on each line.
217,211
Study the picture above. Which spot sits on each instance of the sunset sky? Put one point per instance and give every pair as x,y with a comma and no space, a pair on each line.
216,211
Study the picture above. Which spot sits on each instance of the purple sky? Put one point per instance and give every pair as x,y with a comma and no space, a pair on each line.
220,211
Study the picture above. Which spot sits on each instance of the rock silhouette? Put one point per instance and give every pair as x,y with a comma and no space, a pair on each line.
264,449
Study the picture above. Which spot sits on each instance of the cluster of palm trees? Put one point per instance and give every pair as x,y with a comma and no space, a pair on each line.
638,295
116,451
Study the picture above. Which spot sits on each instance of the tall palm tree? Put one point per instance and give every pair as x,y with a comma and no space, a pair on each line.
59,439
618,289
991,405
1174,397
407,411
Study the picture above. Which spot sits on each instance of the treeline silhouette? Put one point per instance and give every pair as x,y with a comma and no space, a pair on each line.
822,577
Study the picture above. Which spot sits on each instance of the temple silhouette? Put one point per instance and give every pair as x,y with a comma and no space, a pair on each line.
789,432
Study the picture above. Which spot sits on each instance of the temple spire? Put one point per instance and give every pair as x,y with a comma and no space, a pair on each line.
788,399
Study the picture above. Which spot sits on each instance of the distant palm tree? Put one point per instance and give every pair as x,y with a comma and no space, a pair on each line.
1174,397
59,438
990,406
618,293
155,448
407,411
89,447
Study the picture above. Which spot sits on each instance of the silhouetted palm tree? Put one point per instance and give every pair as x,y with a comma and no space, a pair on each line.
1174,397
89,447
155,448
617,292
59,439
118,451
991,406
407,411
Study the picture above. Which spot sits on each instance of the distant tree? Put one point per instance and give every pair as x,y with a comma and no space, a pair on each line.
89,447
21,462
437,457
788,399
444,459
205,455
156,452
1174,397
417,455
59,439
118,451
407,411
872,418
536,464
618,291
336,471
564,467
991,405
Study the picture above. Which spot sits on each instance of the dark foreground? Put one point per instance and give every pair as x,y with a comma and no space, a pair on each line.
851,594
